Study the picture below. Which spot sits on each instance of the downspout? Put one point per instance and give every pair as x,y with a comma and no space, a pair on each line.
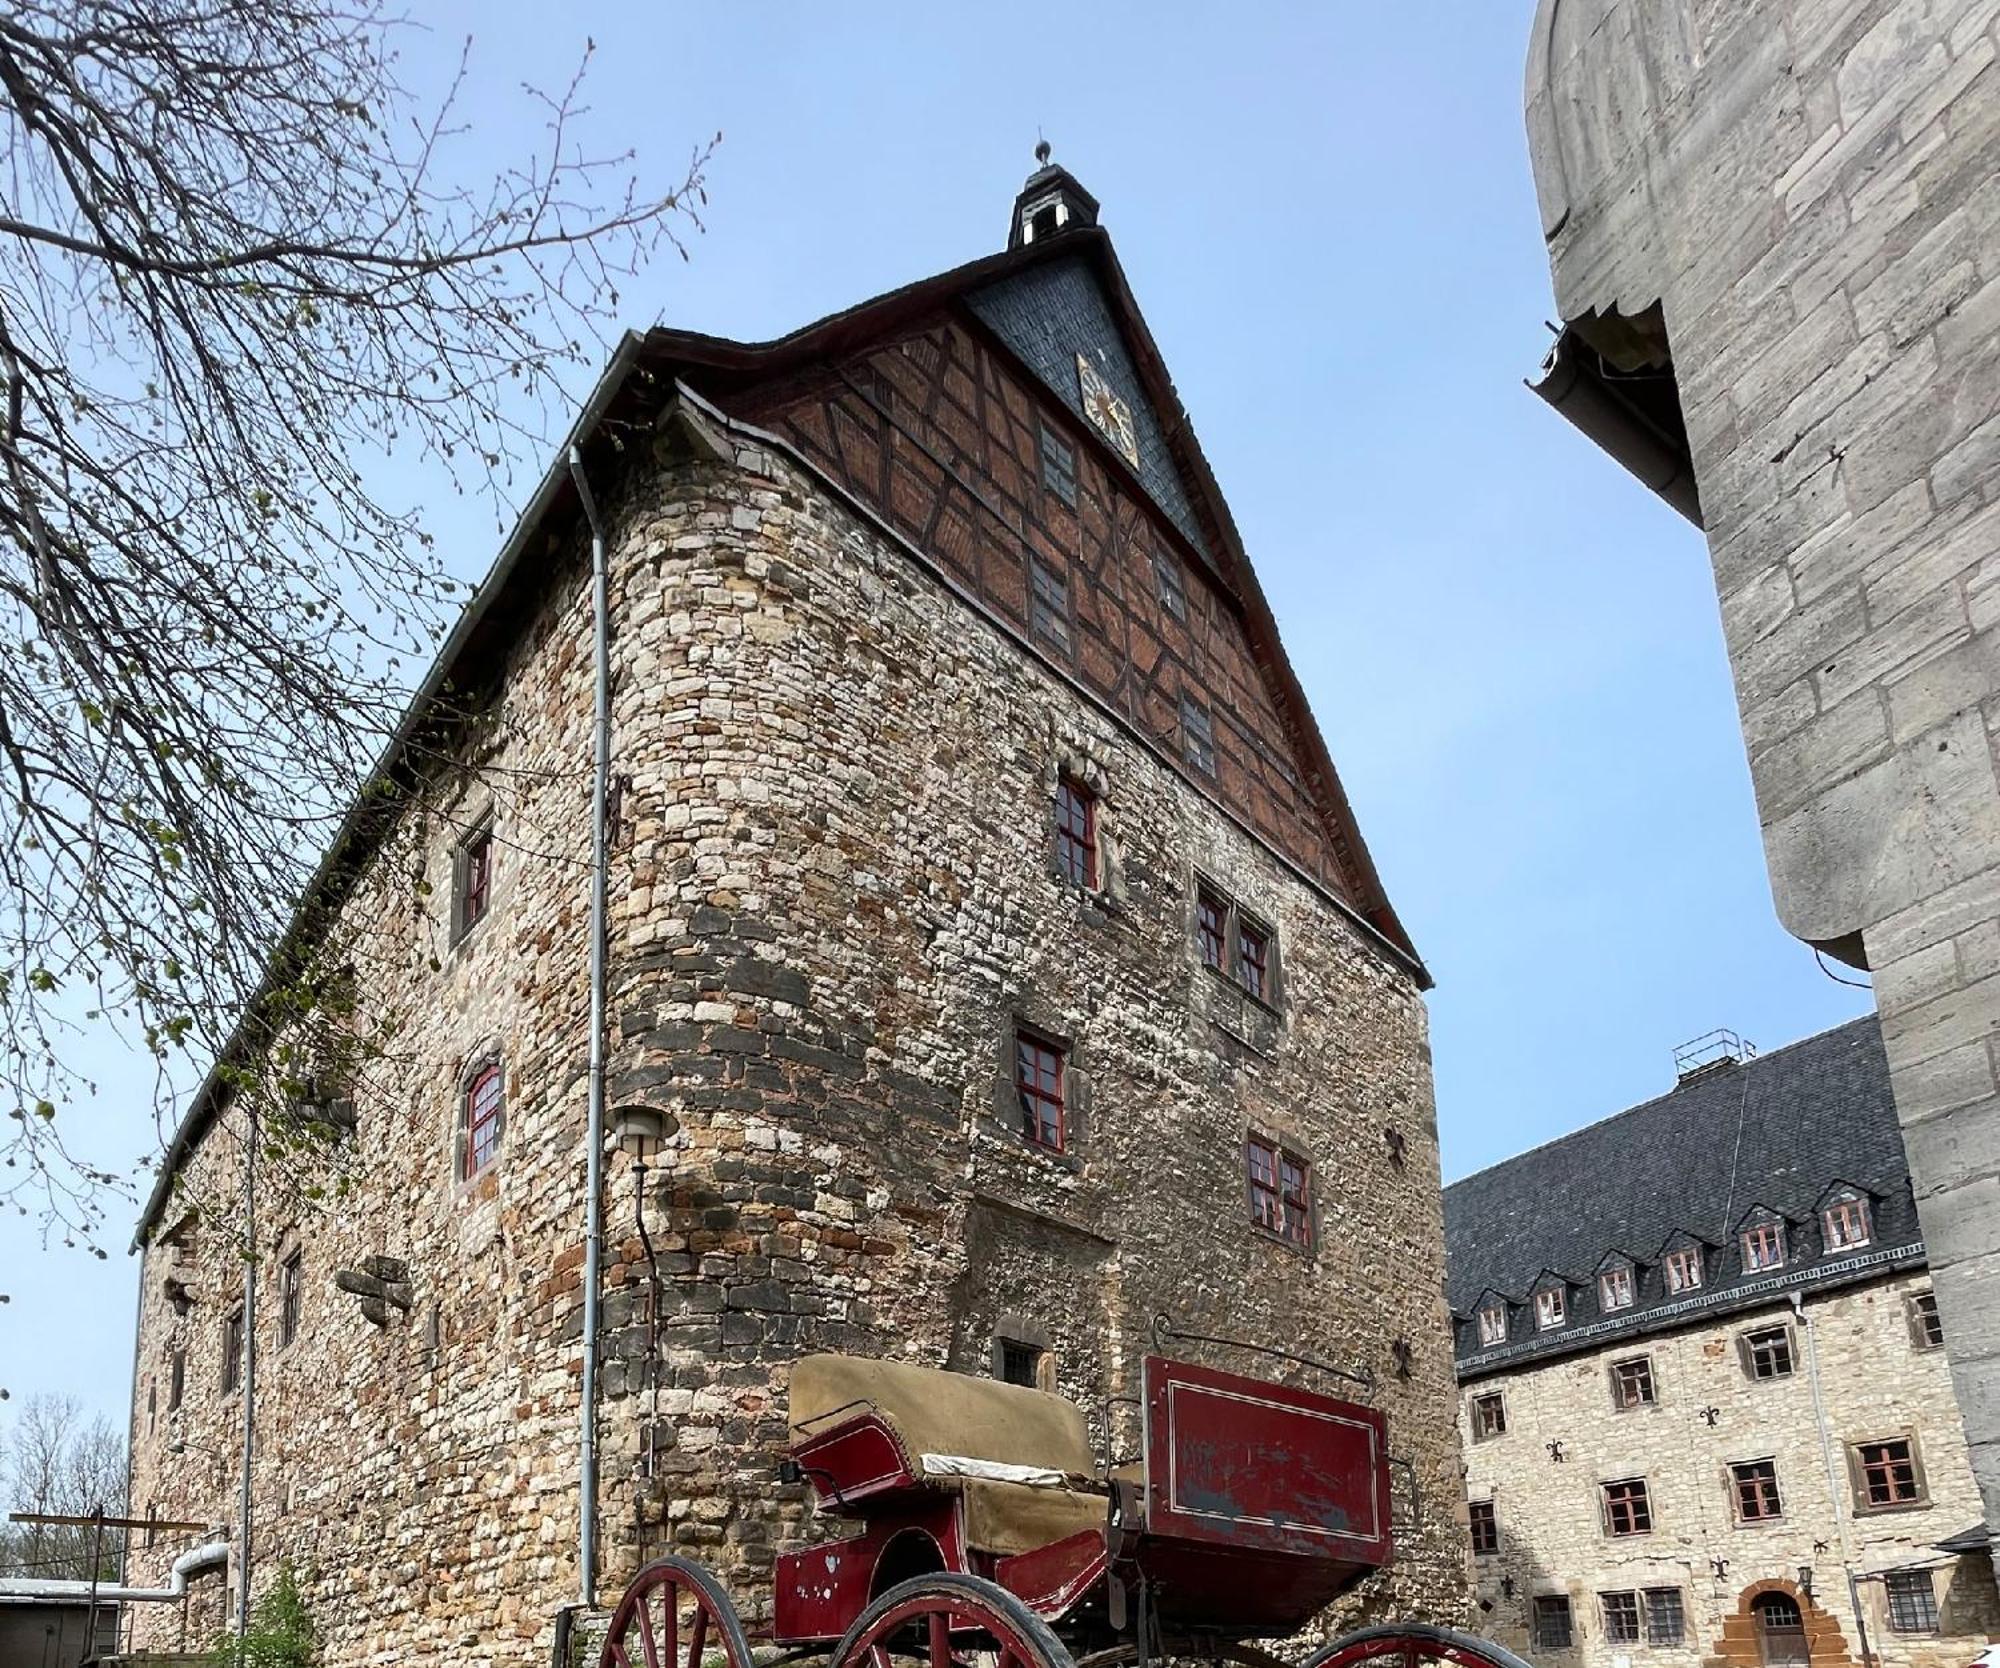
249,1381
1832,1475
593,1230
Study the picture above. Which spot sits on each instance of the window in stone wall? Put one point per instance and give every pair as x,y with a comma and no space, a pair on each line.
1167,583
1489,1416
1845,1222
1197,736
1048,605
1553,1629
1666,1616
1628,1509
1021,1363
1549,1310
472,880
1485,1529
1058,466
1621,1617
1926,1330
1632,1383
1887,1474
1763,1246
232,1349
1753,1488
1280,1185
1767,1352
1913,1606
1493,1324
1684,1269
1253,959
291,1277
482,1118
1076,833
177,1364
1039,1081
1614,1289
1212,927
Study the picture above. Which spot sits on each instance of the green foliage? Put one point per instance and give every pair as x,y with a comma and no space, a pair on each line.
280,1635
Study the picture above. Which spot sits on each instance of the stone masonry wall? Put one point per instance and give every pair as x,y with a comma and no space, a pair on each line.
1810,189
832,895
1709,1414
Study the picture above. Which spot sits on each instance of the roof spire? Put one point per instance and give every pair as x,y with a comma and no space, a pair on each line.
1050,203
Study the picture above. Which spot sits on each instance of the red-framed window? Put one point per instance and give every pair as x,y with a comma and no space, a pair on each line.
1764,1246
1550,1311
1888,1474
1485,1528
1614,1289
1493,1324
1847,1225
1212,923
1076,833
1756,1487
475,878
1684,1269
1280,1191
1628,1509
1039,1070
1253,960
482,1120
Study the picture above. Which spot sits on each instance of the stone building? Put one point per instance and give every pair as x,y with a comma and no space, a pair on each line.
986,918
1772,230
1707,1412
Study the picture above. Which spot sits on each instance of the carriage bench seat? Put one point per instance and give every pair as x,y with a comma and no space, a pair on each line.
868,1433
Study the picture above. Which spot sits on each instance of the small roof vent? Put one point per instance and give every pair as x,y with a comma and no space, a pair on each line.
1716,1050
1052,202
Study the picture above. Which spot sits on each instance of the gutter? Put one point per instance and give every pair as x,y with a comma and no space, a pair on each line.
212,1556
1573,382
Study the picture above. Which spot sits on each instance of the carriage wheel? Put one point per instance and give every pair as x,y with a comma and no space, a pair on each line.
1408,1644
674,1615
950,1621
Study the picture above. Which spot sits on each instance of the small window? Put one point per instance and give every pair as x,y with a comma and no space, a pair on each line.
177,1364
1021,1363
1212,926
1764,1246
1553,1631
1887,1475
1295,1190
1485,1529
1666,1616
232,1349
1767,1353
1913,1606
1926,1330
290,1276
1621,1618
1197,736
1549,1313
1489,1416
152,1401
1614,1289
481,1119
1628,1510
1632,1383
473,869
1847,1226
1038,1079
1048,604
1684,1269
1253,960
1058,466
1167,584
1754,1491
1076,833
1280,1192
1493,1324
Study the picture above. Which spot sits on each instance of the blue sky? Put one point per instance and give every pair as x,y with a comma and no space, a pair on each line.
1327,215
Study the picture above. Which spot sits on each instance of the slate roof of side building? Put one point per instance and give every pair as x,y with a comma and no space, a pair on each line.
1780,1132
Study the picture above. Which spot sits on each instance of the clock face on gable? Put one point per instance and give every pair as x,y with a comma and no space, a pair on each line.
1112,415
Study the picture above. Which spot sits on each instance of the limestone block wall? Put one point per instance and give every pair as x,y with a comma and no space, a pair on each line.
1708,1415
1807,189
833,896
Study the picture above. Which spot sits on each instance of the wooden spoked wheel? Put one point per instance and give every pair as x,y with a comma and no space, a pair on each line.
1408,1645
675,1615
949,1621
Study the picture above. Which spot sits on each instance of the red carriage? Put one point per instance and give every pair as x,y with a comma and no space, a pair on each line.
991,1533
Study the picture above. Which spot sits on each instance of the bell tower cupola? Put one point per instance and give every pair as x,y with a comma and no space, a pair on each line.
1051,203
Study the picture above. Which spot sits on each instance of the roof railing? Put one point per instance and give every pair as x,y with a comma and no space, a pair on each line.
1711,1051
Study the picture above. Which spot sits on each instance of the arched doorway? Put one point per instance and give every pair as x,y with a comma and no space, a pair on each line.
1781,1630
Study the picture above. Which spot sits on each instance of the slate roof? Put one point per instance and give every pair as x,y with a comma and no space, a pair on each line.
1780,1131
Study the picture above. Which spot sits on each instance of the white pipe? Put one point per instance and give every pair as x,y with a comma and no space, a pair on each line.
593,1231
201,1558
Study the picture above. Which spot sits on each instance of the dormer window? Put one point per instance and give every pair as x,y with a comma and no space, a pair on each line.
1549,1309
1684,1269
1763,1246
1614,1289
1493,1324
1846,1222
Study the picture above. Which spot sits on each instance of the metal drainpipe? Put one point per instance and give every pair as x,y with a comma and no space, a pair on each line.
593,1232
249,1380
1832,1476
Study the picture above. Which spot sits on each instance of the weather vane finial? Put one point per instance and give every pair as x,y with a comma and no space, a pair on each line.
1041,148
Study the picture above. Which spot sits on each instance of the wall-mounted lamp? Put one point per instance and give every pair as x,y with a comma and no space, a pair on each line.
640,1132
1805,1580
